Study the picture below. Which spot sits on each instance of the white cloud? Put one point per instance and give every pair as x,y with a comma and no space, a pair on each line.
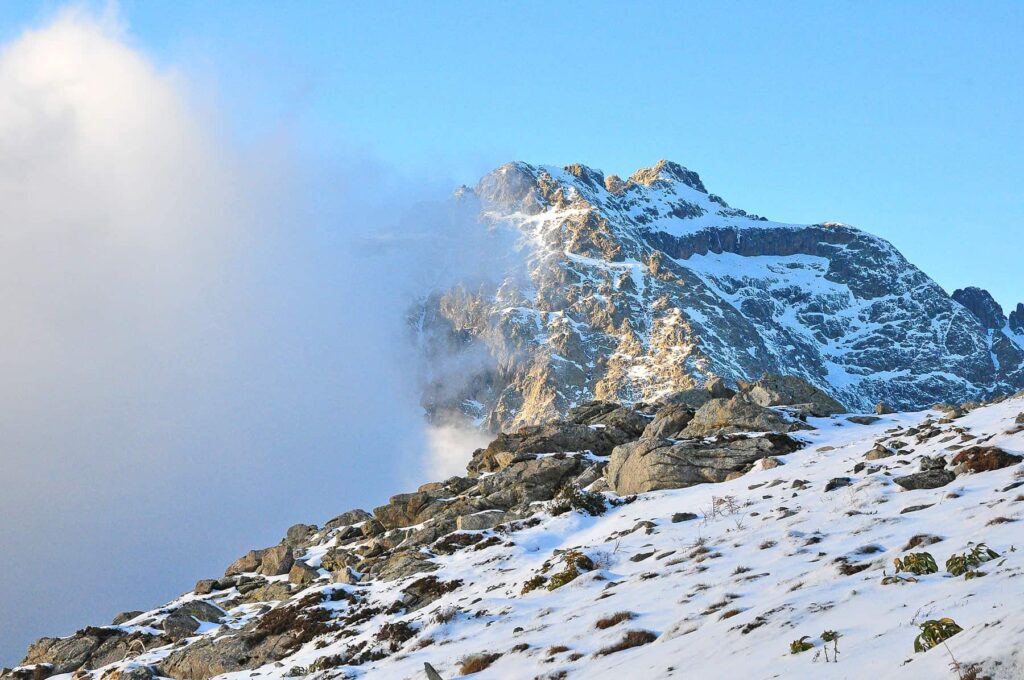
195,352
450,448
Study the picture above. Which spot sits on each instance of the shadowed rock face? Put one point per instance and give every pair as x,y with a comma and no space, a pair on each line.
981,304
1016,319
636,289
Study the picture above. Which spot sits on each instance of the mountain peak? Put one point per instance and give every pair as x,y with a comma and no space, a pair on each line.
634,289
982,305
1016,319
671,171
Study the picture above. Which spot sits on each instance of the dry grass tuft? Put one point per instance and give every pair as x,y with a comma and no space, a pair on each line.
477,663
634,638
614,619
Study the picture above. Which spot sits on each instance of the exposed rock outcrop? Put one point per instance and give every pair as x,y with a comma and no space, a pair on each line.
651,464
89,648
208,657
670,421
776,390
555,437
926,479
984,459
729,416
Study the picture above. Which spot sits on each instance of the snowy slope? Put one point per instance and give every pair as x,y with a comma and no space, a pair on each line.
632,289
723,594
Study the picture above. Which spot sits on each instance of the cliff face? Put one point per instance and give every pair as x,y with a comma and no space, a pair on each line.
634,289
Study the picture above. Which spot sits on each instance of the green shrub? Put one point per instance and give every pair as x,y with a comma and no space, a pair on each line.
966,563
534,583
568,575
574,561
580,500
801,645
935,632
917,563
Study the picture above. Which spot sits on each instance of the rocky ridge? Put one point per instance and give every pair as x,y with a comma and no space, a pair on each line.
633,289
717,519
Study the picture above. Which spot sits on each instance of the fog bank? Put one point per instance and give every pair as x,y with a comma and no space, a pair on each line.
202,344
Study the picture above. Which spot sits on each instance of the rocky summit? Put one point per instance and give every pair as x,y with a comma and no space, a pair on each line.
633,289
760,532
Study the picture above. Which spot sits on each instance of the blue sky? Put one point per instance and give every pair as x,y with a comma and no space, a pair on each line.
900,118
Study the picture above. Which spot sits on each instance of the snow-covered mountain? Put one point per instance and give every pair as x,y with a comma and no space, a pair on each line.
633,289
567,563
716,512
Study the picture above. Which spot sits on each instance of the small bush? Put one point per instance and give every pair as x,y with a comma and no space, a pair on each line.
574,562
935,632
562,578
395,634
634,638
801,645
614,620
960,565
580,500
534,583
477,663
917,563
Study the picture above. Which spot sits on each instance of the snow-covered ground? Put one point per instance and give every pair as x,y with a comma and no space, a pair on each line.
725,593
